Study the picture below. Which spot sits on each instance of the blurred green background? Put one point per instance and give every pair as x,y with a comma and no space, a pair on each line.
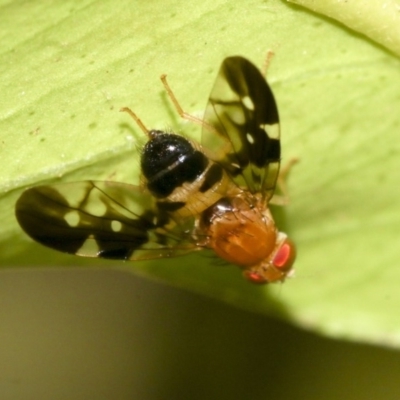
100,334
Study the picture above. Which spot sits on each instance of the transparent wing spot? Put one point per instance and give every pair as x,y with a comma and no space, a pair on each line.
232,112
116,226
89,246
250,138
97,209
72,218
272,131
81,195
248,103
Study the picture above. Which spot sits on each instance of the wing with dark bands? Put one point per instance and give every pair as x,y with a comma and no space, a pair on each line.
244,121
101,219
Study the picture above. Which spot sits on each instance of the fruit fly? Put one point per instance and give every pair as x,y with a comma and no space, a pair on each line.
214,195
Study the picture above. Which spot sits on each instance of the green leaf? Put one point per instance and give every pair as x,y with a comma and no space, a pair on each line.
380,21
68,67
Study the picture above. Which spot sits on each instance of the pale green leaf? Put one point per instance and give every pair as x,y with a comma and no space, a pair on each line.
379,20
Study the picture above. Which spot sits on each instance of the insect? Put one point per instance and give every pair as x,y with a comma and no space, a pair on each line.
209,196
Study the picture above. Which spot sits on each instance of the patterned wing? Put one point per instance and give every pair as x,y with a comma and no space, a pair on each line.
243,126
102,219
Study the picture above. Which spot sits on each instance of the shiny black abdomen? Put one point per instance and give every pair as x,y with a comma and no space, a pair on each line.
168,161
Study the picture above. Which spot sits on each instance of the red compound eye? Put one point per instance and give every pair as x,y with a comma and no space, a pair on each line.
285,256
254,277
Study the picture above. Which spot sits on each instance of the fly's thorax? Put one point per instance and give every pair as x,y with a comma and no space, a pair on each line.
181,177
239,231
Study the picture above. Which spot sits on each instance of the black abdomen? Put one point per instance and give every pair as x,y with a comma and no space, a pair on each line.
168,161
